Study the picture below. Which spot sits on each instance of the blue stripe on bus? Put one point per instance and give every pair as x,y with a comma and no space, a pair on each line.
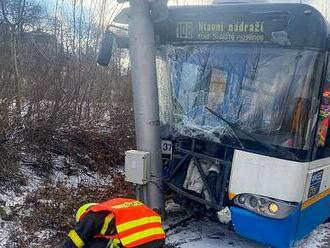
281,233
277,233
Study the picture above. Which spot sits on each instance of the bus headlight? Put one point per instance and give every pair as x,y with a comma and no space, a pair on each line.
273,208
242,199
265,206
253,202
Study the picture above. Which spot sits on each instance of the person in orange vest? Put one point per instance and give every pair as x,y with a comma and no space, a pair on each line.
117,223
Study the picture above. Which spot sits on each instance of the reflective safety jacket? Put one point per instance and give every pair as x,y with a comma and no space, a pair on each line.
135,223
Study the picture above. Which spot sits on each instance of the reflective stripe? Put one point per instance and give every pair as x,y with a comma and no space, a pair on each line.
141,235
134,223
315,199
128,205
115,243
73,235
107,221
82,210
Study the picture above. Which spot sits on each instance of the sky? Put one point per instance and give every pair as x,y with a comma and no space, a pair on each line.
322,5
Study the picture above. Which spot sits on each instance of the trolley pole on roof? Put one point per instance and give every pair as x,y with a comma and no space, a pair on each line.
145,96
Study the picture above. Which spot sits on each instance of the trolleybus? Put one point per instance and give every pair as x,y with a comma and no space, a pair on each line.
244,95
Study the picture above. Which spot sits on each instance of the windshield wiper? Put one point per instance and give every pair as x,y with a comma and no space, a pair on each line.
231,125
234,127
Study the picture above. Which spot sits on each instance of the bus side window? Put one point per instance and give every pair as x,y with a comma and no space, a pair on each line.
323,136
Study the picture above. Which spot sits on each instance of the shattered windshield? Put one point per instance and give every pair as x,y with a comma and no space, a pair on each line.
267,92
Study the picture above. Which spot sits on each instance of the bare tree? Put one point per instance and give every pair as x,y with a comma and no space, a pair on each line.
52,77
16,14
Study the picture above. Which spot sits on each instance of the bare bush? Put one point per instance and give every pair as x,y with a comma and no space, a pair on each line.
9,166
50,82
53,207
50,76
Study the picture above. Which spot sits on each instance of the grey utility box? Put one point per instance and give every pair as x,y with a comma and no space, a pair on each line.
137,166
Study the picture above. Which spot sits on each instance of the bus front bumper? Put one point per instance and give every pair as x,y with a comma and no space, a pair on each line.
273,232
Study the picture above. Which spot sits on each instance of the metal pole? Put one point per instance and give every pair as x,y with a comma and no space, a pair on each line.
145,96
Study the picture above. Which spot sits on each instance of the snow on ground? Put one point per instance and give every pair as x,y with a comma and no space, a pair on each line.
84,177
209,234
8,202
318,238
12,200
4,233
193,233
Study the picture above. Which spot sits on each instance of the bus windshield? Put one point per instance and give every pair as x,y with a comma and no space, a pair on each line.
267,92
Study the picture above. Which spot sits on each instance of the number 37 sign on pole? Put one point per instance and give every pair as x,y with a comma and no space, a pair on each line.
167,147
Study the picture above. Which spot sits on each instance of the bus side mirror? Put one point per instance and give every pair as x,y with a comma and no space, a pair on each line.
106,47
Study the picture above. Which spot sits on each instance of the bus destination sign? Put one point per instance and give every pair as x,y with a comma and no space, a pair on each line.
248,28
203,30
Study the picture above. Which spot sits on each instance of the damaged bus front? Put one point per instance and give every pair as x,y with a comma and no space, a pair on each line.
244,108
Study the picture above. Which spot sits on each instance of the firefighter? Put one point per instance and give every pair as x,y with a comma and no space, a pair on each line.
116,223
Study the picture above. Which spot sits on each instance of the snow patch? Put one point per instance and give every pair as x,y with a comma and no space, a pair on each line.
4,233
205,233
319,238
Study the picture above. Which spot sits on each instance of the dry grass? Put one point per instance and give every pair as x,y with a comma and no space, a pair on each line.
53,208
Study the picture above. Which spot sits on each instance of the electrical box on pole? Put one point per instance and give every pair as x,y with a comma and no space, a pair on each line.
137,167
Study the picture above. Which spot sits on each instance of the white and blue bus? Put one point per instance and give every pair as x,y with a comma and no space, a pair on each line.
244,95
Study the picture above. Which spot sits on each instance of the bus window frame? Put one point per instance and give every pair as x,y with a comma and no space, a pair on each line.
327,81
323,151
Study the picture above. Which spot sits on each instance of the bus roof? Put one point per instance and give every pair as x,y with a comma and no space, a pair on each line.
294,25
